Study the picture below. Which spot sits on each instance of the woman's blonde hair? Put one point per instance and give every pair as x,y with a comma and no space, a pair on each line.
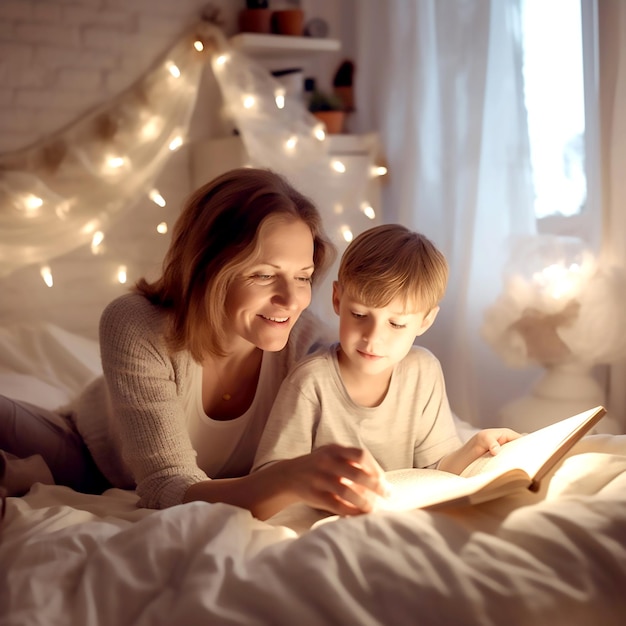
216,234
391,261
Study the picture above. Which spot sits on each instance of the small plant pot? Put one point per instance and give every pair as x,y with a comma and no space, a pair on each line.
333,120
288,22
255,21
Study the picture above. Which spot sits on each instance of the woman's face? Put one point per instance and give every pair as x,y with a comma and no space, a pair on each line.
269,295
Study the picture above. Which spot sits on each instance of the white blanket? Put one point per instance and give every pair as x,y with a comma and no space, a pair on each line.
554,557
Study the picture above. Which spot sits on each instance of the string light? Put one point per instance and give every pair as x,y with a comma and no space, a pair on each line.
220,61
346,233
32,204
140,120
90,227
96,241
173,69
115,162
152,128
46,274
319,132
338,166
176,143
368,210
156,197
279,98
122,275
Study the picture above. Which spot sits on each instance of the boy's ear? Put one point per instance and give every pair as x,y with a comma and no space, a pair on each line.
336,296
427,322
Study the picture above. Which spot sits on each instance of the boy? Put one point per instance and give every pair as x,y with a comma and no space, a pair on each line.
375,389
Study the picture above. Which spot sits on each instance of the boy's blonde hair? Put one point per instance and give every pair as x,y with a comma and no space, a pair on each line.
390,261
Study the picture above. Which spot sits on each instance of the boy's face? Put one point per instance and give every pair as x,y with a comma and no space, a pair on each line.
373,340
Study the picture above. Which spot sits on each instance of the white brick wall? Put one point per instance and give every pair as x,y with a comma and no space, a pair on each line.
58,59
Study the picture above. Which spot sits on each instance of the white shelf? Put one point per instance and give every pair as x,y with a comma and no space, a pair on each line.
282,45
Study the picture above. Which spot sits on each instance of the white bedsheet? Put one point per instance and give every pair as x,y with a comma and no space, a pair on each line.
557,557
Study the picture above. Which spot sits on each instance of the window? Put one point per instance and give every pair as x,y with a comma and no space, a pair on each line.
559,78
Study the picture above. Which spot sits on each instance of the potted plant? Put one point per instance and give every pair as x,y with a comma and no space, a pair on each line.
329,109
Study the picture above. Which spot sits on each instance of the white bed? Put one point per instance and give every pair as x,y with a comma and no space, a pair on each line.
555,557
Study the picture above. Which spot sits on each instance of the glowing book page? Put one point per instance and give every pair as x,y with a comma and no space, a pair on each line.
519,464
537,452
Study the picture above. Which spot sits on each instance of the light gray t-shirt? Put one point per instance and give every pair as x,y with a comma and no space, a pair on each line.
412,427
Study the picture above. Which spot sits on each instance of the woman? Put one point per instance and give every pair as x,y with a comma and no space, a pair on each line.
192,363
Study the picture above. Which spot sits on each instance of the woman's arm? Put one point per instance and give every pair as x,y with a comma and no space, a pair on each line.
341,480
147,414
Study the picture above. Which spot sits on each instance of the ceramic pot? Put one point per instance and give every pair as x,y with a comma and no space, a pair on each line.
288,22
255,21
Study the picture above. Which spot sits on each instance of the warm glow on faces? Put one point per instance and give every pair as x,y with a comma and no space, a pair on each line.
269,295
372,339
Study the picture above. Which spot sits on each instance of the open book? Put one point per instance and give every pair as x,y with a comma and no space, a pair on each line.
520,464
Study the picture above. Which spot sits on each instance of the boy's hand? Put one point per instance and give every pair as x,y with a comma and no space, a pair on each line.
488,440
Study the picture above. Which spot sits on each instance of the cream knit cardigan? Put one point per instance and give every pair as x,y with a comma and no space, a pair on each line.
132,419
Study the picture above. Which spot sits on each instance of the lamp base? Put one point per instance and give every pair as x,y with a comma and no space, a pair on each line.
563,391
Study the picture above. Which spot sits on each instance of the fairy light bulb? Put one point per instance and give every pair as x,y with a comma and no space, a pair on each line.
122,276
346,233
368,210
176,143
173,69
90,227
198,45
152,128
249,102
46,274
220,61
378,170
32,204
162,228
338,166
318,132
290,144
115,162
279,98
156,197
96,241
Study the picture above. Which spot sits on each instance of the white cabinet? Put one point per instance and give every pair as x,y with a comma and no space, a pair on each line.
358,153
277,52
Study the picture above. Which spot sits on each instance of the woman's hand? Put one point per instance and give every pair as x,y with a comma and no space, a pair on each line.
338,479
488,440
341,480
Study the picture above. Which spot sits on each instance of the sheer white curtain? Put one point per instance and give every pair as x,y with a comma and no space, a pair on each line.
442,83
612,85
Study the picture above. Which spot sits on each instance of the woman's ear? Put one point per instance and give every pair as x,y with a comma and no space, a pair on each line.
428,320
336,296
